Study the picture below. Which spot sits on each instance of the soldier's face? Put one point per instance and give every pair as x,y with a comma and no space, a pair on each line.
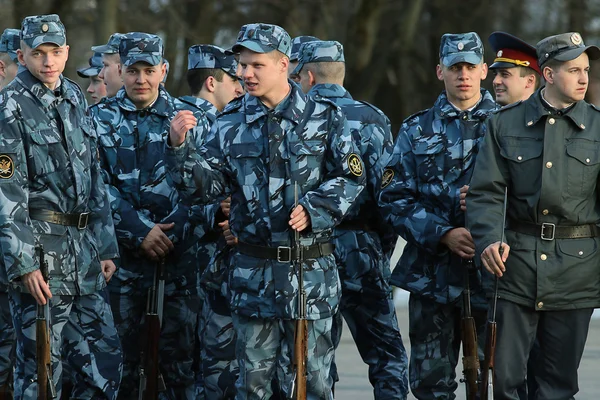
226,91
8,71
96,89
568,82
263,73
462,82
110,74
510,86
46,62
142,81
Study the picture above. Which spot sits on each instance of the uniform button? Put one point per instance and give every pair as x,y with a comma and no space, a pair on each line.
551,121
587,160
530,123
543,257
582,126
549,164
580,252
545,212
519,158
540,304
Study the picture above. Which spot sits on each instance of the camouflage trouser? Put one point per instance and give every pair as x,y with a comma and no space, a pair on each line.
7,337
374,327
128,298
434,331
85,324
219,364
198,362
264,349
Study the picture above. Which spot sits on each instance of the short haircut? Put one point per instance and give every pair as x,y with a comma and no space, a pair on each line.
6,59
552,64
197,77
276,55
526,71
327,71
113,58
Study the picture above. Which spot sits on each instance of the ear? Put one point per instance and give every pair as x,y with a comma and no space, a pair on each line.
438,72
20,55
484,67
121,71
530,81
284,64
312,81
548,75
210,85
2,69
67,52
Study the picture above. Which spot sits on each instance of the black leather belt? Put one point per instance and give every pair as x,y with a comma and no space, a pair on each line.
79,220
286,254
354,225
547,231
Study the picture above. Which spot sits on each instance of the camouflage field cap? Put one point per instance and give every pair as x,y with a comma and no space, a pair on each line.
321,51
112,47
40,29
140,47
263,38
296,42
94,68
10,42
230,51
205,56
461,47
564,47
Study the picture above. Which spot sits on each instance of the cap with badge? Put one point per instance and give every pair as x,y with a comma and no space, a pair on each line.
207,56
140,47
564,47
461,47
320,51
40,29
94,68
263,38
10,42
112,47
297,42
512,52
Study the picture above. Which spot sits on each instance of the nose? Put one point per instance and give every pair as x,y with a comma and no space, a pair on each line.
90,88
497,80
101,73
247,72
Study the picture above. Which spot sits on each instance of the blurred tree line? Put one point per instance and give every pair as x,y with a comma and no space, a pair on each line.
391,46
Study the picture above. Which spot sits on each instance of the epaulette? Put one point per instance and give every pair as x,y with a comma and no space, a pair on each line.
321,99
507,107
594,106
76,88
418,113
233,105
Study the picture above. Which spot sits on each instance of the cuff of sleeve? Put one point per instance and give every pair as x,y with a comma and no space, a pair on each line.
180,148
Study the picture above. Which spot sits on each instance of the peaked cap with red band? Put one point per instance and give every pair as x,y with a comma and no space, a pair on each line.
512,52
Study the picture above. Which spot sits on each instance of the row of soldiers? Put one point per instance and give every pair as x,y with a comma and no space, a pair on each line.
206,185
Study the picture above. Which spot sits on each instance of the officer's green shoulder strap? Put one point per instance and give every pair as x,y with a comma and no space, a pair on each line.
595,107
508,106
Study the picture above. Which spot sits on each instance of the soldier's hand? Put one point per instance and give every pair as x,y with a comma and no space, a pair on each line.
108,269
227,234
493,261
183,122
299,219
226,206
463,197
156,244
460,242
40,290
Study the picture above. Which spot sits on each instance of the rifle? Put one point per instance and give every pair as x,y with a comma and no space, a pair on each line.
469,340
151,380
301,334
43,346
487,375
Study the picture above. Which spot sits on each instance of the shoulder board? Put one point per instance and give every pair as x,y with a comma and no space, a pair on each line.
76,86
417,114
594,106
233,105
508,106
320,99
366,103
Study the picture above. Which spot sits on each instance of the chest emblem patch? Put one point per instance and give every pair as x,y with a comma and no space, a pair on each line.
7,166
355,165
386,179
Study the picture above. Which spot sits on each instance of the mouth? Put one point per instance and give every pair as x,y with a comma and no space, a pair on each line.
250,85
464,87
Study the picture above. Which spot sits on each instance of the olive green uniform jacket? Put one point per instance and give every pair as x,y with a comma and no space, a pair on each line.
550,163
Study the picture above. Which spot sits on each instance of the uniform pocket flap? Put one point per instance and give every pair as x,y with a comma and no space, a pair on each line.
520,149
580,248
585,151
308,147
243,150
45,136
423,147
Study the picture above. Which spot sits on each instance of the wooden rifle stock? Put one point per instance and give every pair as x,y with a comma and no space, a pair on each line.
43,346
469,342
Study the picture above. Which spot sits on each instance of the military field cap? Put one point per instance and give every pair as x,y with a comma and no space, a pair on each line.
263,38
230,51
10,42
321,51
512,52
94,68
564,47
112,47
207,56
140,47
40,29
461,47
296,42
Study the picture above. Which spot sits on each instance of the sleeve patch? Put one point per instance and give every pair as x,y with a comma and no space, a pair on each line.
7,166
386,179
355,164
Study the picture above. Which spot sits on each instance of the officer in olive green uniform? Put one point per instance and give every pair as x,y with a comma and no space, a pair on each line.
546,151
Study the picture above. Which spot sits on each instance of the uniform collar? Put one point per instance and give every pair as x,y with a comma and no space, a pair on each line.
291,108
161,106
443,108
42,93
329,90
535,110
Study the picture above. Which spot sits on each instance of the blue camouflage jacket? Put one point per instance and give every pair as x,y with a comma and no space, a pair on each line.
433,158
48,161
364,253
260,154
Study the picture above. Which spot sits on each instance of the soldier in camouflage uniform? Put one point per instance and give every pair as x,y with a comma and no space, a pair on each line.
9,44
152,221
213,83
260,147
433,159
53,195
96,87
111,62
363,242
296,43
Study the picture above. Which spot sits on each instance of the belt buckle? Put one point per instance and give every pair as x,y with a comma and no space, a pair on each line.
83,220
545,226
280,252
